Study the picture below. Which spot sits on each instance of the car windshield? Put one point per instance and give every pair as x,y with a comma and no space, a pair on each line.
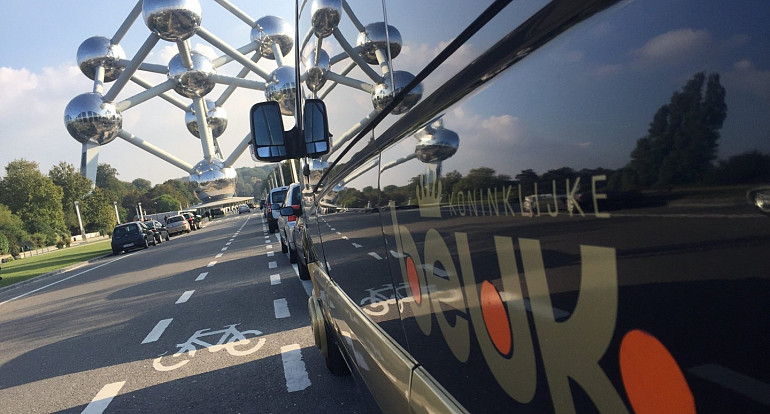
278,196
124,230
175,219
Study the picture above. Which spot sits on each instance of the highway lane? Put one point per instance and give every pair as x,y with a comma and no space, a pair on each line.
212,321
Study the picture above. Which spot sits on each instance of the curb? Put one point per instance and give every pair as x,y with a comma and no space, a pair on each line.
51,273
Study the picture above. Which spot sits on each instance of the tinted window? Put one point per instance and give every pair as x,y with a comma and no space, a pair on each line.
278,196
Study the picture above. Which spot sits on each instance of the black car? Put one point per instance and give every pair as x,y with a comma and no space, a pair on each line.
216,212
159,230
131,236
193,220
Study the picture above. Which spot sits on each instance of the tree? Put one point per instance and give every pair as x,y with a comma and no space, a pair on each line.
141,184
682,140
98,212
74,187
12,230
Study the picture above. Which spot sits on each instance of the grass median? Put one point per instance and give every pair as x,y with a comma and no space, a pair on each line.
19,270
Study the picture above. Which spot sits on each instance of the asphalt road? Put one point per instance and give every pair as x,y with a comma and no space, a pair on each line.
211,321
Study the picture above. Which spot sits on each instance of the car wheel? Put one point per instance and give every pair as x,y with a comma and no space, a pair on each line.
145,243
304,273
168,236
116,252
293,255
159,239
335,362
154,242
284,247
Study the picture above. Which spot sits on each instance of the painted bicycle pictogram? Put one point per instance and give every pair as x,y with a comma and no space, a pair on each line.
380,299
232,340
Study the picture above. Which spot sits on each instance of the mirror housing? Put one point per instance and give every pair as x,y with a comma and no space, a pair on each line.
272,144
287,211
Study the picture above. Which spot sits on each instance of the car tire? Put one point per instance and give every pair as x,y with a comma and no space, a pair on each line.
284,247
304,273
159,239
116,252
333,358
168,237
145,243
292,255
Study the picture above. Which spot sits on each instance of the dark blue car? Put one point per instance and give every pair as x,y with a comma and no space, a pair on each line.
131,236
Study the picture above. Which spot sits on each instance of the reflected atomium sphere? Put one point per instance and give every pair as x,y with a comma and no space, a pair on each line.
213,181
282,88
196,81
383,93
272,29
88,118
325,15
98,51
315,72
436,143
374,37
172,20
216,117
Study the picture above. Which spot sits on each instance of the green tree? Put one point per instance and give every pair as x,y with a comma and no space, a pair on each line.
98,212
141,184
12,230
74,187
682,140
166,202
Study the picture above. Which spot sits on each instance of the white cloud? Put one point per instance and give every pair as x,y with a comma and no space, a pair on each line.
674,46
749,78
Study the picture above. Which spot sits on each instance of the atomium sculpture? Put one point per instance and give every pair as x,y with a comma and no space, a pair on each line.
96,118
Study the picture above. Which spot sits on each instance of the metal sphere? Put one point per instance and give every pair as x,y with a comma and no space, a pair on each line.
88,118
436,143
216,117
374,37
282,88
315,72
172,20
383,93
325,15
213,181
193,82
272,29
98,51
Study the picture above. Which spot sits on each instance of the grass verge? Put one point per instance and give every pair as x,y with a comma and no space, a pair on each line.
19,270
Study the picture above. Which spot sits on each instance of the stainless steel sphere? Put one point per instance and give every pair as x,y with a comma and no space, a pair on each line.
436,143
282,88
172,20
88,118
325,15
216,117
373,38
193,82
98,51
272,29
213,181
384,93
315,72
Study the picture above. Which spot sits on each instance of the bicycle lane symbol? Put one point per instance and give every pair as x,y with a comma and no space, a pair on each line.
235,342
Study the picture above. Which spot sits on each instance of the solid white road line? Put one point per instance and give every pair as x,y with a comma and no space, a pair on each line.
275,279
185,296
201,276
281,308
103,398
157,331
294,368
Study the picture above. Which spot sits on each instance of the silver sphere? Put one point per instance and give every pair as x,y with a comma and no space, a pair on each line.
272,29
383,93
216,117
315,72
213,181
436,143
172,20
325,15
98,51
373,38
282,88
88,118
193,82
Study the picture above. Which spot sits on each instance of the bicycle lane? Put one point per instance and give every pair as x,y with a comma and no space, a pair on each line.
240,338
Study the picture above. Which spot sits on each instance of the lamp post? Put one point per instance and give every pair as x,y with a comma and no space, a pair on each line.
80,222
141,213
117,215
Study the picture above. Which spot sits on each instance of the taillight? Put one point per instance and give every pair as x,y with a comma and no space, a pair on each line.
292,217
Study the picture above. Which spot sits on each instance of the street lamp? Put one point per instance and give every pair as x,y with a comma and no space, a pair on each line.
117,215
80,222
140,212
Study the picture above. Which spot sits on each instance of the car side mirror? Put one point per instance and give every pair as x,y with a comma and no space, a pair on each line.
316,128
287,211
267,134
272,144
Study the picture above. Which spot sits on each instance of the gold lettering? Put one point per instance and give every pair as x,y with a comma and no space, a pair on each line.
555,202
461,203
451,206
506,201
573,348
537,202
492,202
598,196
472,203
447,292
406,248
571,202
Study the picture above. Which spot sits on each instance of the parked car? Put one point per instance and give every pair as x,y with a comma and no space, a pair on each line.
159,230
177,224
273,203
193,220
216,212
244,209
289,211
131,236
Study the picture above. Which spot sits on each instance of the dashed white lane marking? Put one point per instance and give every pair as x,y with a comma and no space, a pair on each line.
345,237
103,398
224,249
272,265
231,240
269,246
742,384
333,229
339,233
228,243
211,264
281,308
294,368
270,254
218,256
356,245
275,279
201,276
157,331
185,297
375,255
